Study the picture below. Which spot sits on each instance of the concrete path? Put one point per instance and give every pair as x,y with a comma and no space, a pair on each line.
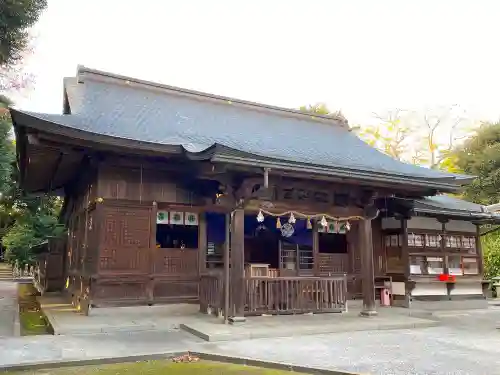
467,343
48,348
66,321
8,309
302,325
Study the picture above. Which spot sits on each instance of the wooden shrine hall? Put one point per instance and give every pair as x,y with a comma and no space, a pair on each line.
177,196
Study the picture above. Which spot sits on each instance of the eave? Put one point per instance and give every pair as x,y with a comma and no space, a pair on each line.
443,185
21,119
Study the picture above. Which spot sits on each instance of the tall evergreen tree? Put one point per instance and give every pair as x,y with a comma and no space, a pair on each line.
480,156
16,17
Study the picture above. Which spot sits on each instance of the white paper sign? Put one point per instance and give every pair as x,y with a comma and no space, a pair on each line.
190,218
176,218
162,217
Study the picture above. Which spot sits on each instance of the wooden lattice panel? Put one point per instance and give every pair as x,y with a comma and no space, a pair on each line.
125,290
333,263
126,239
176,262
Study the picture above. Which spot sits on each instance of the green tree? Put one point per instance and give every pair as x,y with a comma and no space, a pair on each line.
491,254
479,156
36,220
7,153
16,17
24,220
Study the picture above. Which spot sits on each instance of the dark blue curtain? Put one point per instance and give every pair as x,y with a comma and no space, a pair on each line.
301,236
216,227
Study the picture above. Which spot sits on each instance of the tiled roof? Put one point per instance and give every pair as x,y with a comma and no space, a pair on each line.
104,104
453,207
450,203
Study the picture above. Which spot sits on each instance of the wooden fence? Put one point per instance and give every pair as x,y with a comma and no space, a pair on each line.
279,295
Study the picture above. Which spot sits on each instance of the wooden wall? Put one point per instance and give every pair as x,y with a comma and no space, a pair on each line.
128,268
112,254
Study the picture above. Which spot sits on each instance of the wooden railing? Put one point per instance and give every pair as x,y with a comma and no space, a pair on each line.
211,293
274,272
289,295
278,295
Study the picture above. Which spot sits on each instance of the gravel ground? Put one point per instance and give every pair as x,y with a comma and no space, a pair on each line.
468,343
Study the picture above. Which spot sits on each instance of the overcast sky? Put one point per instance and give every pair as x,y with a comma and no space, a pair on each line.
357,56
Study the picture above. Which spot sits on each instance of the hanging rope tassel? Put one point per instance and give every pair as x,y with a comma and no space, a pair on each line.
309,224
278,223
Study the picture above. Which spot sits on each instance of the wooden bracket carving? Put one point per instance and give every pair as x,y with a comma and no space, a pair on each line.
370,212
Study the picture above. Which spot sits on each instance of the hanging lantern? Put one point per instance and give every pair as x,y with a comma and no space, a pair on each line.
278,223
309,224
323,221
260,217
336,226
292,219
347,226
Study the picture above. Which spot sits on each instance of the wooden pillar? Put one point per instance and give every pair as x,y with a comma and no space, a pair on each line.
315,243
150,286
404,247
237,259
406,260
202,243
227,270
443,222
367,272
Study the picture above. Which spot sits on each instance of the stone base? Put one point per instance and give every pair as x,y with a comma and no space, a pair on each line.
235,320
465,304
368,313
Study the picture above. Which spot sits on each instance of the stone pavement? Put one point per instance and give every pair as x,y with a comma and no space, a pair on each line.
427,351
48,348
9,317
65,321
467,342
302,325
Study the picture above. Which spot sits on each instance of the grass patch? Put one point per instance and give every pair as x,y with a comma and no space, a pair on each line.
31,318
158,368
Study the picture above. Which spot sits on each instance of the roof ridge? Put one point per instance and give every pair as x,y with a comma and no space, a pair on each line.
104,76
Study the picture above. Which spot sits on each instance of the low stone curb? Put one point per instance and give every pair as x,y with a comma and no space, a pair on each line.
17,323
268,364
166,356
42,365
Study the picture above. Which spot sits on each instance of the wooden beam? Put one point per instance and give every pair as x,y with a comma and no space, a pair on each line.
384,188
54,171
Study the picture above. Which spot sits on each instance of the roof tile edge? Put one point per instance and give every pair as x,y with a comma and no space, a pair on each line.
84,72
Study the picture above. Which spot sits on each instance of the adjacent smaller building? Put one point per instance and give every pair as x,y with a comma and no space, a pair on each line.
433,251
